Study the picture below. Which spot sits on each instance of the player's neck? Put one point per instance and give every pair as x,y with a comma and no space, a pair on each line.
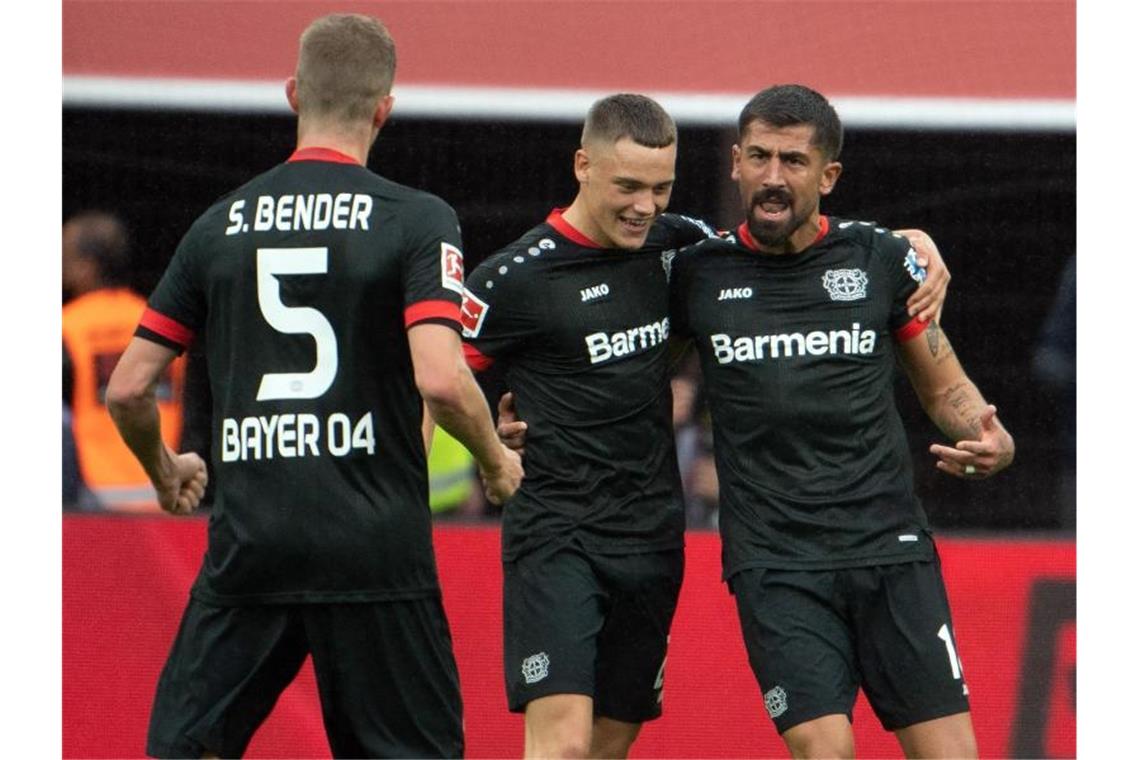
805,236
353,144
579,218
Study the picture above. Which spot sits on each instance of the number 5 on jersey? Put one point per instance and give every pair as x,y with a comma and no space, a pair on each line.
305,320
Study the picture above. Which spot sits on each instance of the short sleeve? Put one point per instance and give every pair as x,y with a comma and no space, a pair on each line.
176,309
906,275
498,315
679,273
678,230
433,265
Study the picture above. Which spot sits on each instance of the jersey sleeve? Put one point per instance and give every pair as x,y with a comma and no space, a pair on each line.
678,230
176,309
906,275
433,265
679,274
497,315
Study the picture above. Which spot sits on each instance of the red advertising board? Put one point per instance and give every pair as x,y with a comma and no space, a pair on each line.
125,581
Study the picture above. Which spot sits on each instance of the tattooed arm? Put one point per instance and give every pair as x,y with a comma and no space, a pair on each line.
983,446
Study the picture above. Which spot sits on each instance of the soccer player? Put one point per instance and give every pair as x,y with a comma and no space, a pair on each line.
329,297
593,542
798,319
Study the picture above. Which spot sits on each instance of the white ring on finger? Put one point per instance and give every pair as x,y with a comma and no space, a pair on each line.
970,469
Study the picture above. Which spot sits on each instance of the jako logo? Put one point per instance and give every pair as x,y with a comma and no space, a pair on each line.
595,291
729,294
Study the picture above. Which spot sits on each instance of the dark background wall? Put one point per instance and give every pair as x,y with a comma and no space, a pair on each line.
1001,206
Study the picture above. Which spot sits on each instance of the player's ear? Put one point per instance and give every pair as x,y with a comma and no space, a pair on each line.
830,176
582,165
291,93
383,111
736,154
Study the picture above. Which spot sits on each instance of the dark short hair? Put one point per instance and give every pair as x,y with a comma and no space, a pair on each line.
102,237
789,105
637,117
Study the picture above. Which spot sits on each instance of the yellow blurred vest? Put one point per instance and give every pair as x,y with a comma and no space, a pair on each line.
450,468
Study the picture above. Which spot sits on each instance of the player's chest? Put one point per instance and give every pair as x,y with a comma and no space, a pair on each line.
600,311
743,296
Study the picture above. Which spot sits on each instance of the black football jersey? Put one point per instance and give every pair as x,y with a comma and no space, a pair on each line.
582,331
303,283
797,353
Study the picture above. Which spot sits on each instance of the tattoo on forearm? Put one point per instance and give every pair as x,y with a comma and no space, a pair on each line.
966,410
938,343
933,335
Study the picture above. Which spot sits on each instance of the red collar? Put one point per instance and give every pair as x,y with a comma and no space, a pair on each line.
750,242
555,220
322,154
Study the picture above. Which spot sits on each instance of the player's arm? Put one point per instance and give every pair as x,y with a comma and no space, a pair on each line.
926,302
983,446
179,479
456,403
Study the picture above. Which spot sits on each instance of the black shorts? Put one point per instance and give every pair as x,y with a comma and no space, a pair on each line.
385,672
582,623
814,637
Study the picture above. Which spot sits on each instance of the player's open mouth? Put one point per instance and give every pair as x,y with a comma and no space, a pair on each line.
634,226
772,206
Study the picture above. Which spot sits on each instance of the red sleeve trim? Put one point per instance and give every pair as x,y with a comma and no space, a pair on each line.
422,310
910,329
476,360
555,220
167,327
321,154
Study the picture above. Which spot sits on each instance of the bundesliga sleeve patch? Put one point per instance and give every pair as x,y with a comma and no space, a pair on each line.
451,266
916,272
472,313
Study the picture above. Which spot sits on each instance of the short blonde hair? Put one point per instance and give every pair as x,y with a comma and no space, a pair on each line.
345,65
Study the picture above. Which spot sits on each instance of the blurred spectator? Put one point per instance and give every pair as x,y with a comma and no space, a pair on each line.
1055,367
693,432
98,322
454,488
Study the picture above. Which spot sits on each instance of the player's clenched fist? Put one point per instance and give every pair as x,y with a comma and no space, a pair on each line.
501,484
181,491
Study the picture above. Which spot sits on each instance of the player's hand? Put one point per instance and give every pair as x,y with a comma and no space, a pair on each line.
973,460
926,302
501,484
511,430
183,483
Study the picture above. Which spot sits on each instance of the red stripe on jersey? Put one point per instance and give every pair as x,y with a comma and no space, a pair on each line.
322,154
422,310
476,360
167,327
564,228
910,329
750,242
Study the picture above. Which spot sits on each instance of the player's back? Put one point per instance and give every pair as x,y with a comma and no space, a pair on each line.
305,279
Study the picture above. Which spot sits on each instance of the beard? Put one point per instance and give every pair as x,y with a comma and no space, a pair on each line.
771,233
